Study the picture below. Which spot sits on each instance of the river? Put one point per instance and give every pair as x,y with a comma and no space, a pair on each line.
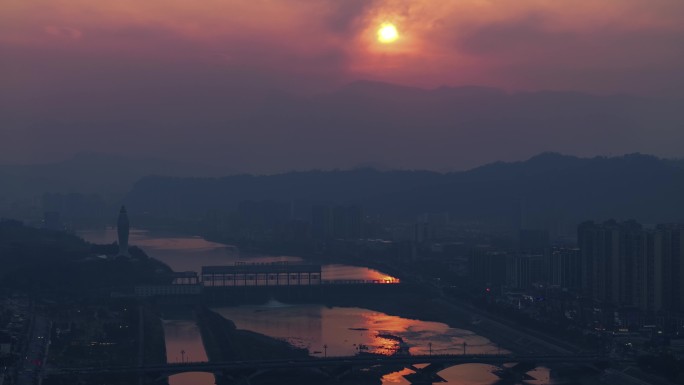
322,330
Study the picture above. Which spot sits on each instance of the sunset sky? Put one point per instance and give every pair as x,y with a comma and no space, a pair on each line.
109,64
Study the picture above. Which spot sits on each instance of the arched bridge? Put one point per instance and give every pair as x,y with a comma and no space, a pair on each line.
435,363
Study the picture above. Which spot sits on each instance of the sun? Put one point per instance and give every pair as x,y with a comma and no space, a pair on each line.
387,33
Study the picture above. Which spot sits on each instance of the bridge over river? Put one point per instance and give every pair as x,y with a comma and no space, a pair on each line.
240,372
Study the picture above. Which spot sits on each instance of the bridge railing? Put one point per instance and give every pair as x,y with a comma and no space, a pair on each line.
178,367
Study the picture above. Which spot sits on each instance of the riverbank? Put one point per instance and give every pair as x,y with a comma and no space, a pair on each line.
432,302
152,337
224,342
415,306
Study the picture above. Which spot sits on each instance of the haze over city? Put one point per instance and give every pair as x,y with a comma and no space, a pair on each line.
274,85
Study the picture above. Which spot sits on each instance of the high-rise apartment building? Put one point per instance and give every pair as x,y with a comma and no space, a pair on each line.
565,267
623,264
338,222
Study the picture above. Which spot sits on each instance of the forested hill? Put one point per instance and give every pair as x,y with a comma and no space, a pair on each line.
542,191
55,263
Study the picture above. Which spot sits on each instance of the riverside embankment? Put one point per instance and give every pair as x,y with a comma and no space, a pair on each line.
223,341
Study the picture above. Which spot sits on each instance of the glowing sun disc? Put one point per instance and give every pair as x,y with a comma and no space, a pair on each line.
387,33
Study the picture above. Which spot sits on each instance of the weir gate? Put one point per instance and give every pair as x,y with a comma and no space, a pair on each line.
258,282
261,275
275,274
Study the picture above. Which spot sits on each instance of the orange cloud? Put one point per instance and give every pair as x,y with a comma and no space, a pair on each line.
515,44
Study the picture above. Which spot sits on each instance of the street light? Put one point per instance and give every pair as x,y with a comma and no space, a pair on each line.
325,350
182,355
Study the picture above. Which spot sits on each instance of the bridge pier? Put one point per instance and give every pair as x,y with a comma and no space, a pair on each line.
517,372
153,379
243,378
222,379
335,374
427,375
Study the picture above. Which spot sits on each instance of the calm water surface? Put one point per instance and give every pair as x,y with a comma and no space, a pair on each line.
344,331
184,343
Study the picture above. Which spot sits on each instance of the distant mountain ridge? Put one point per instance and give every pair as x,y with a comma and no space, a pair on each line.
366,122
91,173
455,127
545,191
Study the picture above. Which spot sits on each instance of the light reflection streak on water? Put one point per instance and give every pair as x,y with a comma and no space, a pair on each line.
184,343
344,329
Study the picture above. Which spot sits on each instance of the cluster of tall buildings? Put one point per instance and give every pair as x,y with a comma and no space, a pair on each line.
336,222
627,265
617,264
557,266
286,225
532,262
264,213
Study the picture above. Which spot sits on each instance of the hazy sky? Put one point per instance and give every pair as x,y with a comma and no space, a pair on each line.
181,78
